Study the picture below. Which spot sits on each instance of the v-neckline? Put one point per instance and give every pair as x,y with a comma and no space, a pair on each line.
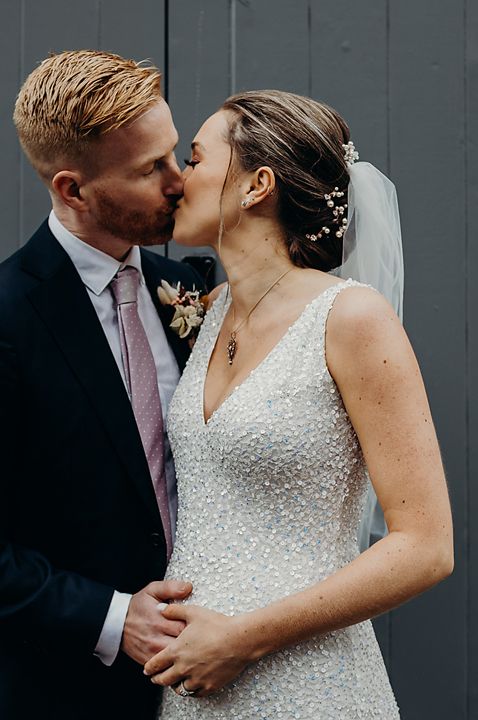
206,422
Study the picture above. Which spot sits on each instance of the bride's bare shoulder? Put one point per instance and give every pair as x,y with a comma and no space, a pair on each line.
360,304
363,324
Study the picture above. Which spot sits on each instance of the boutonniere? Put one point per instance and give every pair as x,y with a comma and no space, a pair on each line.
189,308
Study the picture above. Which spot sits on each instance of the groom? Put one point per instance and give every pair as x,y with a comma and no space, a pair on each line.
88,365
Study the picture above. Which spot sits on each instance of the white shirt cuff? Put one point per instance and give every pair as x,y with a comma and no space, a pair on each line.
109,641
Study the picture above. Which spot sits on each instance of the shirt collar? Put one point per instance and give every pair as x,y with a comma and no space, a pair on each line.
96,268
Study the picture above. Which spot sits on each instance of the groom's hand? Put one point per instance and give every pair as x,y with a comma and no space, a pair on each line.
146,631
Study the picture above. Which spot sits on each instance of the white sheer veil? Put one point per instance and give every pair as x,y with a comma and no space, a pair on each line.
372,254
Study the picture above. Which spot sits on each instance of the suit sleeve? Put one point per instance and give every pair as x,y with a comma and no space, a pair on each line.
38,602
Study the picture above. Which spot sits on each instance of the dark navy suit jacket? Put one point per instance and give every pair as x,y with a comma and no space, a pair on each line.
78,515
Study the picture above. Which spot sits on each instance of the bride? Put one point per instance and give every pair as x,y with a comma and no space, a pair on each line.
301,385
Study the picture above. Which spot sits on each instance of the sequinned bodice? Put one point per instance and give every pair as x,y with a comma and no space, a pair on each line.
270,494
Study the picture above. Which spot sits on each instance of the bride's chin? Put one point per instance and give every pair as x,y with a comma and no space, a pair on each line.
179,237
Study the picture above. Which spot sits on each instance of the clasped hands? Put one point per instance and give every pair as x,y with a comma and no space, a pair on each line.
184,643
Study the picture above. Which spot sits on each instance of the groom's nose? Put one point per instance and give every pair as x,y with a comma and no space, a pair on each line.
174,181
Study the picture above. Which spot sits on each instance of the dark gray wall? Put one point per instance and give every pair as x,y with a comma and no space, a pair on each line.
405,76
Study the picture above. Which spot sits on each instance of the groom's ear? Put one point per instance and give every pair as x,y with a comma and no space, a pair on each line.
67,184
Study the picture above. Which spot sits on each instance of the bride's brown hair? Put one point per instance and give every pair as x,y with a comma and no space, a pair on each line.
301,140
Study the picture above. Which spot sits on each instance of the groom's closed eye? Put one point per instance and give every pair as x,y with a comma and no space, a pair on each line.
156,166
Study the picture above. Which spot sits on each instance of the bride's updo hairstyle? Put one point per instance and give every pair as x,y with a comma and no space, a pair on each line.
301,141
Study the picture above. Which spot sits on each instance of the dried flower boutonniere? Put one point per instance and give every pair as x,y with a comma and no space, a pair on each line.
189,308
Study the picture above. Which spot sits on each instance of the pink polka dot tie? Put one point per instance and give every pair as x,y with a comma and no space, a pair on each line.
141,379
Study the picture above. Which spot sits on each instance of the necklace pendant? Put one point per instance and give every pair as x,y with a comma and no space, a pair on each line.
231,348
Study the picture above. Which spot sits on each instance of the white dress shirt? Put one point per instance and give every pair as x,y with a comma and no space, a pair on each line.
96,270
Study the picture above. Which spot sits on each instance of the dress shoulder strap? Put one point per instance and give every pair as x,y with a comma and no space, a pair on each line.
323,305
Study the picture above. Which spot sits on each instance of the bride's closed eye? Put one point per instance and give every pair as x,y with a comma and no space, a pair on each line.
191,163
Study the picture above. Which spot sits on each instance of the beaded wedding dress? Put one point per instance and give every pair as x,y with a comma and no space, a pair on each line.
271,490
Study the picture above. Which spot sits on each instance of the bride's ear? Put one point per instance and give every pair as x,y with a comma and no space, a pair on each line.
262,185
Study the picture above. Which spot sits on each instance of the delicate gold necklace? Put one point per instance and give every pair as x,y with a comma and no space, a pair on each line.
232,344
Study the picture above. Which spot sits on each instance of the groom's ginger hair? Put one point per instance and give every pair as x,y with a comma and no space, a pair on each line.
74,97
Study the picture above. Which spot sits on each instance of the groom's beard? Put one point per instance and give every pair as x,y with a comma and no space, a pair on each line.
134,226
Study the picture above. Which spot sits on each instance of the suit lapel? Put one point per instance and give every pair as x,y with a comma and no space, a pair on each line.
63,304
153,274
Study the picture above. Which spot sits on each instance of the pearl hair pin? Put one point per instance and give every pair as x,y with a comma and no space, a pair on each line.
338,211
351,154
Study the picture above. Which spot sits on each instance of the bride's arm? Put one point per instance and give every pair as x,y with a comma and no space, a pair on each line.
370,358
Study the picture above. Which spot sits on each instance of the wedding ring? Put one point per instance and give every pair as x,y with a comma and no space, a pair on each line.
181,690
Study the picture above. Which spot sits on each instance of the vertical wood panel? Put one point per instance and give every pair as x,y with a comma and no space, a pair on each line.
349,53
471,151
271,45
349,72
198,64
10,44
51,26
133,29
199,74
426,91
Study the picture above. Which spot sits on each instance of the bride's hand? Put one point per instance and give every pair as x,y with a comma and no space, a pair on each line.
210,652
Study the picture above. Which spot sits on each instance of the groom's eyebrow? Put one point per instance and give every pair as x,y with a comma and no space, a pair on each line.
147,159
